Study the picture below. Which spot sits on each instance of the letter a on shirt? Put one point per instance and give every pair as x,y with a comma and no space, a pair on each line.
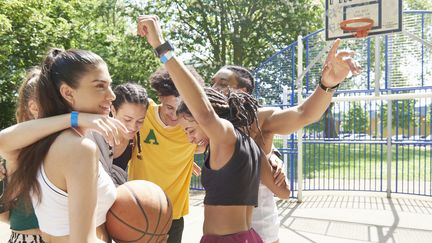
151,136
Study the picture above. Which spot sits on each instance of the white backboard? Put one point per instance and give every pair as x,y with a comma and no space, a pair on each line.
386,14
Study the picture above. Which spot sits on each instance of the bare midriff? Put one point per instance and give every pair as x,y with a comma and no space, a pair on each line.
28,232
225,220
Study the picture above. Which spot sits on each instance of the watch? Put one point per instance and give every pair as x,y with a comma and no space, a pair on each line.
328,89
165,47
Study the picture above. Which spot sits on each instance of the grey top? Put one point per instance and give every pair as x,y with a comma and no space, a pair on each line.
117,174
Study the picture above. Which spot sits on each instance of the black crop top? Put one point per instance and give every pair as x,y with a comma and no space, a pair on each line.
236,183
123,160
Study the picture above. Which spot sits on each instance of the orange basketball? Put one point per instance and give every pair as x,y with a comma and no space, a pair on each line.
141,213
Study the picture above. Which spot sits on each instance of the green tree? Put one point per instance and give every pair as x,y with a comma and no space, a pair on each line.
417,5
356,120
29,28
403,114
242,32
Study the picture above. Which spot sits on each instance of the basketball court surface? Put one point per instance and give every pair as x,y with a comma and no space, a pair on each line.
345,217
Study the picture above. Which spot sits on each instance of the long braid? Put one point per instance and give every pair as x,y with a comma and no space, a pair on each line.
237,107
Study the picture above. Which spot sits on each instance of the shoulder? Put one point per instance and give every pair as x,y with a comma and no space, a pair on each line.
71,146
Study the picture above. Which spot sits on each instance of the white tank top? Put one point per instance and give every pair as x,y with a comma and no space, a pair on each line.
265,217
52,211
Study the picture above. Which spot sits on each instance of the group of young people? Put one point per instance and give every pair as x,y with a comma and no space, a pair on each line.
67,154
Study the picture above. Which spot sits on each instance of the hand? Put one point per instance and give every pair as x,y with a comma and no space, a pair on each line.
338,65
196,170
148,26
111,129
278,174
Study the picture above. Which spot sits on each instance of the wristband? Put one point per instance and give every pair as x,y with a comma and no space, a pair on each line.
74,119
328,89
165,57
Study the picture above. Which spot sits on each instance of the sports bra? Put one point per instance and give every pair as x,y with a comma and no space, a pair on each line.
52,211
236,183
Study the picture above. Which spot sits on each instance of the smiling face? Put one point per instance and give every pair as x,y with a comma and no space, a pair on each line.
193,131
93,94
168,108
131,115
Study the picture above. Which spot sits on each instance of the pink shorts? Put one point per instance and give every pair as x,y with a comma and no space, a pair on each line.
249,236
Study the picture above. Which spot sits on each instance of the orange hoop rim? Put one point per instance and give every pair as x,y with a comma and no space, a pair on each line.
361,31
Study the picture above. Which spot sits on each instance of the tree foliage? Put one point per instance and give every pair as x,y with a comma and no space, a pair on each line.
29,28
243,32
356,120
208,33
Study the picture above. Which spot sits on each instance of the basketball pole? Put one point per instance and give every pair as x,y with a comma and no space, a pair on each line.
299,83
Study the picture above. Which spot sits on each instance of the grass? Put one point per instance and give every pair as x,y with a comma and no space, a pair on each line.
363,160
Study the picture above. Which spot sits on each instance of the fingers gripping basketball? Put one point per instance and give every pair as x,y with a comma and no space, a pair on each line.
141,213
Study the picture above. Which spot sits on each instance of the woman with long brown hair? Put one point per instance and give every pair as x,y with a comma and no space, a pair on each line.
50,171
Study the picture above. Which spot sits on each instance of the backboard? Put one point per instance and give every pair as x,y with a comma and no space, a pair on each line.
386,14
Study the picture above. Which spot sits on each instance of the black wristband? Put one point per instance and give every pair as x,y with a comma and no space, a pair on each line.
165,47
328,89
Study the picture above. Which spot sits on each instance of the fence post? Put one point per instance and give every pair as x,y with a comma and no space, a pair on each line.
389,118
377,64
299,85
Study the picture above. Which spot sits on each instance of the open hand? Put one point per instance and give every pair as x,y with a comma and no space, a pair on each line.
338,65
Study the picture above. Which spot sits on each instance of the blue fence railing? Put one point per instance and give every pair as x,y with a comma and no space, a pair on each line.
347,149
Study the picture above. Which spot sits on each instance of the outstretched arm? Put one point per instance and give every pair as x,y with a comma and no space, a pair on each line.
190,90
16,137
336,68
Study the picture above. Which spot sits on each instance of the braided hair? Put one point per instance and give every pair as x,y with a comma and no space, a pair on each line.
131,93
134,94
237,107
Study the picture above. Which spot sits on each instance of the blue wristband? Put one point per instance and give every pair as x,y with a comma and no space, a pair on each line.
74,119
165,57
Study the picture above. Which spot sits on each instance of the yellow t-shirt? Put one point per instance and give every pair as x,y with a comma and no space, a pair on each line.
167,158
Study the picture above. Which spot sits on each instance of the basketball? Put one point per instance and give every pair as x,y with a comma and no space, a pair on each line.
141,213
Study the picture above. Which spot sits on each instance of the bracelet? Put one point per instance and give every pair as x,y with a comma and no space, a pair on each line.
327,89
167,56
74,119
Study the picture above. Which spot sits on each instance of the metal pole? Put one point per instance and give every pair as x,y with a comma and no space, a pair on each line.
377,64
299,84
389,147
389,118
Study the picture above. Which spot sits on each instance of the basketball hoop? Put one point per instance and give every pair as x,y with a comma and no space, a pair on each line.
361,26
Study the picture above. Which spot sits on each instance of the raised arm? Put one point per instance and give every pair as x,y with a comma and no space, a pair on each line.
21,135
336,68
190,90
